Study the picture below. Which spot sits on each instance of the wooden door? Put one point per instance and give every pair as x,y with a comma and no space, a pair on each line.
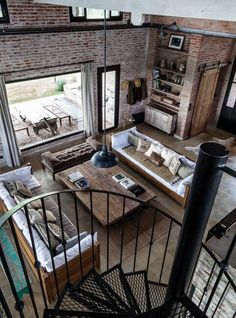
204,101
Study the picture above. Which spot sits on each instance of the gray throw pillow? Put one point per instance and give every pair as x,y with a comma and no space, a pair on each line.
11,188
70,242
184,171
133,140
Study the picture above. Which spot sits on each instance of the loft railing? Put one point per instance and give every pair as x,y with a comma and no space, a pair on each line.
37,298
127,256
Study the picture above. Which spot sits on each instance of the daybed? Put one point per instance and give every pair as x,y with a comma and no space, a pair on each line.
43,254
127,147
67,158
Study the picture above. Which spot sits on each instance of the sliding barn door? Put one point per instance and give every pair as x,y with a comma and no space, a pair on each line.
204,101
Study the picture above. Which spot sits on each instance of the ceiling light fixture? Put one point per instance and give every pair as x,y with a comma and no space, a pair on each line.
104,158
163,33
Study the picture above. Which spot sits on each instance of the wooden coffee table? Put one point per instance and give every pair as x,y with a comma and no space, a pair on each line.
101,179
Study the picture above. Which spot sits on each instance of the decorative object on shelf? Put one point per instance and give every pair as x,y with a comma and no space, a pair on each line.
168,100
104,158
172,65
182,67
163,62
176,41
155,73
166,88
124,85
157,98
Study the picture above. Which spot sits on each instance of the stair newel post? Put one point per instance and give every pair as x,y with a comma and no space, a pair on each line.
207,176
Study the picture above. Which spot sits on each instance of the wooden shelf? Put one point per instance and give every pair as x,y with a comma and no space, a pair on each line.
169,70
171,107
170,83
182,52
166,93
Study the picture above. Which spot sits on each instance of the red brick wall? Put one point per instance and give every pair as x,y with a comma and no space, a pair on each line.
202,49
25,13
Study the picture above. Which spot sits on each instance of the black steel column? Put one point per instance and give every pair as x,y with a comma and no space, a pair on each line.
207,176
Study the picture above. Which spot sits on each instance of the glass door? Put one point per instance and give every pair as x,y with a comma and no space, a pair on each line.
112,97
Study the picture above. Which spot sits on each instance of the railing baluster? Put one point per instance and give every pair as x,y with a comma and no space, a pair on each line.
195,265
224,291
63,236
151,239
223,269
108,229
5,305
78,233
19,304
207,283
166,247
50,246
136,241
122,231
37,264
24,268
92,227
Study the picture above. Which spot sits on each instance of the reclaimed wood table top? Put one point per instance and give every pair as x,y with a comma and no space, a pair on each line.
101,179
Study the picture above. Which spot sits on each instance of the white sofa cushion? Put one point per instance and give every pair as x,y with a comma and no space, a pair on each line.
23,175
168,155
154,148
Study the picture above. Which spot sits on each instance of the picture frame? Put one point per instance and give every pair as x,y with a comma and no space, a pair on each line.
176,41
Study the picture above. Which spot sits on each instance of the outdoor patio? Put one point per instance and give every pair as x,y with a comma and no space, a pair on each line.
45,118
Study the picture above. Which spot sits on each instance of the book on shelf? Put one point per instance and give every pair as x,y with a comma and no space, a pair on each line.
75,176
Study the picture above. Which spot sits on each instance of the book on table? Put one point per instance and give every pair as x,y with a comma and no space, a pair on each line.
82,183
75,176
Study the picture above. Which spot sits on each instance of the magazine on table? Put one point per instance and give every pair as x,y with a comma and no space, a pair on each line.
128,184
75,176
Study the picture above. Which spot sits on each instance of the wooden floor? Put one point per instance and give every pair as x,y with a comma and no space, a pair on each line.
224,203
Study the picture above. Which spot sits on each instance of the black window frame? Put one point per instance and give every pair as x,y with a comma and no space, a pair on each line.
5,18
85,19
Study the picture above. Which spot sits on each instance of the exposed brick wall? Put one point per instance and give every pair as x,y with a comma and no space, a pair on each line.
203,24
202,49
26,13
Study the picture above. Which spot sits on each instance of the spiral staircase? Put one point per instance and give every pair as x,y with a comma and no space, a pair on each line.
115,291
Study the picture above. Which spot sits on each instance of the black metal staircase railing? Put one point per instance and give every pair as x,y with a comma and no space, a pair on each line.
127,284
140,259
123,258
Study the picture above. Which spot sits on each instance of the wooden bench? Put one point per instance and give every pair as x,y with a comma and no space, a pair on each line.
58,112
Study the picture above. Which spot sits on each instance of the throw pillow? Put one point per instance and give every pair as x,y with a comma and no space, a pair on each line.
23,189
133,140
174,165
153,148
49,215
11,188
184,171
143,145
57,232
34,216
155,158
70,242
36,204
167,155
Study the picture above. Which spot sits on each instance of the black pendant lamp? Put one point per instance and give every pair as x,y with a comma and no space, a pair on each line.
104,158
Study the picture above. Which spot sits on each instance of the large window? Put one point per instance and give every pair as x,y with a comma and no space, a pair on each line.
45,108
4,16
88,14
